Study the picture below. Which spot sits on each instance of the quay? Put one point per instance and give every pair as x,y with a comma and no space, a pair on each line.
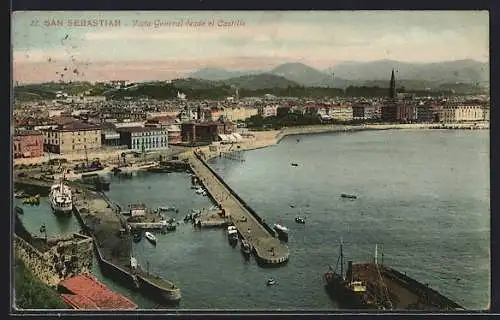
212,220
268,249
113,245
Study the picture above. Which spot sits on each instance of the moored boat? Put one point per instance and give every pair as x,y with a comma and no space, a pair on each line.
61,198
150,237
246,248
348,196
271,282
232,235
136,236
282,231
300,220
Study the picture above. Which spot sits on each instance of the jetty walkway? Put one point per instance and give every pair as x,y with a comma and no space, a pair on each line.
267,248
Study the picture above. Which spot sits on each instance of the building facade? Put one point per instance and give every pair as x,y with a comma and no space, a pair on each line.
425,113
144,139
27,144
364,111
462,113
74,137
109,136
341,113
268,111
406,112
205,132
174,134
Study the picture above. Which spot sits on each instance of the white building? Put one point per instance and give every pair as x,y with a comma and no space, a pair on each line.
268,111
461,113
341,113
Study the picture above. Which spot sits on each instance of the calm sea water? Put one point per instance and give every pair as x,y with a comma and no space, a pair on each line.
423,197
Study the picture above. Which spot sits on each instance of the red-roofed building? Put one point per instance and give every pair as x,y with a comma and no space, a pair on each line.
85,292
27,144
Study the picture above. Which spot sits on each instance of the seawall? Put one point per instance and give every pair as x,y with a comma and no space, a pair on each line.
234,194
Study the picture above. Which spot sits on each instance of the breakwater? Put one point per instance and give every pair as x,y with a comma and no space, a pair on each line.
267,248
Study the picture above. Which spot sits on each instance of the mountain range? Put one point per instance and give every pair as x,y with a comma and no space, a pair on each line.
414,75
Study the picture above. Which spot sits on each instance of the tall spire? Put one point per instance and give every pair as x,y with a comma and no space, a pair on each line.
392,89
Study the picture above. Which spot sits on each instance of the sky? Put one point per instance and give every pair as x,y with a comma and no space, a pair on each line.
134,46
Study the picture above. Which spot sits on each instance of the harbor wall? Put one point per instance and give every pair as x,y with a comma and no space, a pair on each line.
33,186
64,260
234,194
107,267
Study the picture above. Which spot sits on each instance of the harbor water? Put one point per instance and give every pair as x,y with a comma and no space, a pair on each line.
422,197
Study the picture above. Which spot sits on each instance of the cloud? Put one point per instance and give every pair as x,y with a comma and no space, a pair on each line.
319,39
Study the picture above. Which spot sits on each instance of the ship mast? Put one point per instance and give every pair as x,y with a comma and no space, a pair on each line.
341,260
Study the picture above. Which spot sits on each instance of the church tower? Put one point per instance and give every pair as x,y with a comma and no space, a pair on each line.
392,86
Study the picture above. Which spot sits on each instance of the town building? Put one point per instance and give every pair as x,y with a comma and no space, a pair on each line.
27,144
406,112
205,132
268,111
174,134
363,111
73,137
462,113
144,139
425,112
231,114
109,136
341,112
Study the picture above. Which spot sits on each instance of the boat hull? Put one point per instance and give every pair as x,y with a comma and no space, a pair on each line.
61,211
343,295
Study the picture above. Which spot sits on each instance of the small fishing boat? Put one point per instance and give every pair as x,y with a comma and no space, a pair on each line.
150,237
294,164
348,196
245,247
282,232
168,209
271,282
19,210
19,194
136,236
300,220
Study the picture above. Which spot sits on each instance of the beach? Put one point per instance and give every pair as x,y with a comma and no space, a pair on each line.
262,139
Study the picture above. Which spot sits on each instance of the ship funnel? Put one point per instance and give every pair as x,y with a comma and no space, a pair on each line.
349,270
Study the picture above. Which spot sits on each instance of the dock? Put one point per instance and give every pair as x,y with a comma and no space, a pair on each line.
212,220
113,245
268,249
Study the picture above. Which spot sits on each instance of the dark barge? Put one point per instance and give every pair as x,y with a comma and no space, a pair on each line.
373,285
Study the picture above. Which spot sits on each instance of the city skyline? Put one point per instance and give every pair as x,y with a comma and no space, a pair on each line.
48,44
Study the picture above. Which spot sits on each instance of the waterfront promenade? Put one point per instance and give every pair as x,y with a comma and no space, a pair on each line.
266,247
